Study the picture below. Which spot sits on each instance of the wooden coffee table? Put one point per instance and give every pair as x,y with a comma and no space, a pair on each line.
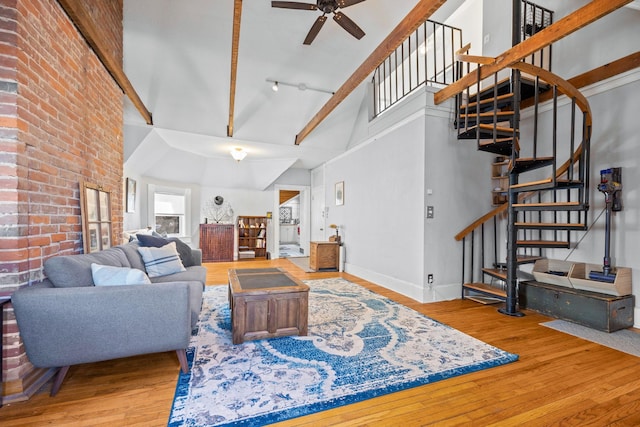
266,303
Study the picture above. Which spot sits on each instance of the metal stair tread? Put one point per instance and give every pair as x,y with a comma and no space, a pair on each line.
501,146
545,184
486,132
527,85
551,225
498,273
542,243
469,119
486,289
527,259
520,259
550,206
501,101
525,164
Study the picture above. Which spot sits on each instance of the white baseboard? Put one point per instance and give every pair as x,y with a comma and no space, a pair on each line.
408,289
443,292
414,291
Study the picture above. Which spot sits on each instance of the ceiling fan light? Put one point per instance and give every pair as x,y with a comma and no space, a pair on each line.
238,154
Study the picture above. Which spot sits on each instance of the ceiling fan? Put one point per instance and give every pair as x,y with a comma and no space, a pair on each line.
326,6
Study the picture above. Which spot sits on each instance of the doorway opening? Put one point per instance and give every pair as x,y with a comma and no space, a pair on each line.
289,216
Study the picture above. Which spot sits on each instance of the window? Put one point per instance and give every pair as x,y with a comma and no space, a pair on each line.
170,210
96,217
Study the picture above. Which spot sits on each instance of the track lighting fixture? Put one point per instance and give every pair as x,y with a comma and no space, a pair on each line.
300,86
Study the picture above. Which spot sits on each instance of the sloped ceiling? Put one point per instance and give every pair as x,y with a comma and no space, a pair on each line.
177,55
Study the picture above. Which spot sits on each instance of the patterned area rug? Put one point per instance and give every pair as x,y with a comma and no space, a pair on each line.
360,345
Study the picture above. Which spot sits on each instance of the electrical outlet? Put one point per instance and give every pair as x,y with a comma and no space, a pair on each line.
430,212
429,279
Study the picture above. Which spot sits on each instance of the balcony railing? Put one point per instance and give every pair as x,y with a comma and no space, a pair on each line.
426,57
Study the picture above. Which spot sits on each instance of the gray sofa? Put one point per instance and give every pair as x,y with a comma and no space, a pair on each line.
67,320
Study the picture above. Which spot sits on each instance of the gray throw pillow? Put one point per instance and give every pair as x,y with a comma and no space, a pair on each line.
184,250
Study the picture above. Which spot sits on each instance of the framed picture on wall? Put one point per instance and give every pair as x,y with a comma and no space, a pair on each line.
340,193
131,195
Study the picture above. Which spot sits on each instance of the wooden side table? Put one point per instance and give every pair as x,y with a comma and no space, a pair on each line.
3,300
324,255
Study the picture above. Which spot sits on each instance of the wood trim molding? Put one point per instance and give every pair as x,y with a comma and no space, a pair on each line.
596,75
419,14
582,17
235,43
76,11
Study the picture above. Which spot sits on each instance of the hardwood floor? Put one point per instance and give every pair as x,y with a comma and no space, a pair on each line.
558,380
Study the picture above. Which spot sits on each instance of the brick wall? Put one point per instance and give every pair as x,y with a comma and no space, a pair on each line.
60,123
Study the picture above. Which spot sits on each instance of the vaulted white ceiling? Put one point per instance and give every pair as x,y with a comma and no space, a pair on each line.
177,55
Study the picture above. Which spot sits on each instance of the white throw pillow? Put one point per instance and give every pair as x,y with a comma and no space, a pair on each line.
106,275
161,261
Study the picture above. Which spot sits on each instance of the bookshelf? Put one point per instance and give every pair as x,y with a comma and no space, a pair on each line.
499,181
252,237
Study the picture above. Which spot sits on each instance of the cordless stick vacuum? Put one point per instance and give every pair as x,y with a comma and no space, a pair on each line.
610,185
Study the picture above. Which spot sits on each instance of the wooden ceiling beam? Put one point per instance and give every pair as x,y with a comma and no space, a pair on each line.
418,15
235,43
76,10
582,17
596,75
606,71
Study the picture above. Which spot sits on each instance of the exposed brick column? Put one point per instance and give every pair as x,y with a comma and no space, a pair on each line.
60,123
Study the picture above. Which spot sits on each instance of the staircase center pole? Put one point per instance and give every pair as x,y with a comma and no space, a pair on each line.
511,304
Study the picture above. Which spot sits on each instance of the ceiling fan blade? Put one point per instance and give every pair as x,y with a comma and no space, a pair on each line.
346,3
350,26
315,29
293,5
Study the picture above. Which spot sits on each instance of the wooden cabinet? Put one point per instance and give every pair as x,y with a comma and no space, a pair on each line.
324,255
216,242
608,313
499,181
252,236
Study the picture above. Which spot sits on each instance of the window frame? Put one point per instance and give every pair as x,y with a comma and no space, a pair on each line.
174,191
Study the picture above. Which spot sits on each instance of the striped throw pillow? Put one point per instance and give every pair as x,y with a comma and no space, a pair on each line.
161,261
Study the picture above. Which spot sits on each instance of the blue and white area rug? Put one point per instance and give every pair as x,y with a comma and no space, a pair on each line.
360,345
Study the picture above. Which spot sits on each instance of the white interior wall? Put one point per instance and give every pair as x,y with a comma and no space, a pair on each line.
458,186
614,144
411,159
466,18
381,219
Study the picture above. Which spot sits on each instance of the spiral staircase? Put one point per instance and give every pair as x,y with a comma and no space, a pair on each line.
548,171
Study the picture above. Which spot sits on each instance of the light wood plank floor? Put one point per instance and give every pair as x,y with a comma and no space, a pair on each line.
559,380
